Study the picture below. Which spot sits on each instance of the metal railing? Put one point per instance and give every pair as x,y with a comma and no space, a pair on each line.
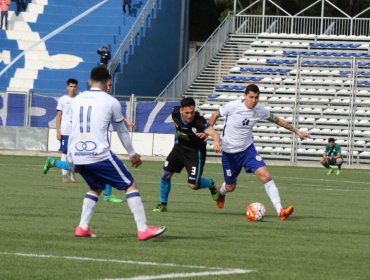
254,24
130,39
198,62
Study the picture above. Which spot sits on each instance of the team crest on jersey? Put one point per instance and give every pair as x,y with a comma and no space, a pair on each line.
258,158
194,129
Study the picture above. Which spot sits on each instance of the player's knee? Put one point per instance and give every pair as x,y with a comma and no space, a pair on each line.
166,176
339,160
266,178
231,187
193,186
322,160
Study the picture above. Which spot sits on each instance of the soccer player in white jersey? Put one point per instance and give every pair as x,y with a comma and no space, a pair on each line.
64,123
89,150
238,148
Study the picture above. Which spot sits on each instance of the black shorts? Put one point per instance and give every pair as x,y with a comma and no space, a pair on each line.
193,160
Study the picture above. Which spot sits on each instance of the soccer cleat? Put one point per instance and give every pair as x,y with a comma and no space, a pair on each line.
111,198
338,172
331,170
214,192
220,201
286,212
150,232
160,208
73,178
80,232
49,163
65,178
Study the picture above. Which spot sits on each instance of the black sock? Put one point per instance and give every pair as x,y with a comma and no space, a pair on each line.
340,166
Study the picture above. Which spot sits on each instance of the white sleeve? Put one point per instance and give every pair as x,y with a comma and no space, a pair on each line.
60,104
263,113
116,111
226,109
124,137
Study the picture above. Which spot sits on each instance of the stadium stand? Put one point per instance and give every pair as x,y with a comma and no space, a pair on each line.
323,76
46,68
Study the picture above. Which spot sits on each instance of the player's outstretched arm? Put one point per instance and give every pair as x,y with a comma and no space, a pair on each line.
216,139
283,123
124,137
212,120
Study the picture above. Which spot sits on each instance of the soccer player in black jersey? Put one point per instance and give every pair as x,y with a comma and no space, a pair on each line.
189,151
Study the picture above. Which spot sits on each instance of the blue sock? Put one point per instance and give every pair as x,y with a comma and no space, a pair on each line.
62,164
107,190
205,183
164,190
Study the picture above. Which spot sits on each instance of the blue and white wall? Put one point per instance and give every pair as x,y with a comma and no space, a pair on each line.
72,53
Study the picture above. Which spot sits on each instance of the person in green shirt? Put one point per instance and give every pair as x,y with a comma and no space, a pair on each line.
332,156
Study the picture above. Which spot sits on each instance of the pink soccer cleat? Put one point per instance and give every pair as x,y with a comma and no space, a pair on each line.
80,232
150,232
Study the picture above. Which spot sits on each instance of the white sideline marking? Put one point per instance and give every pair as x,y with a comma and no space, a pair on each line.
185,275
109,260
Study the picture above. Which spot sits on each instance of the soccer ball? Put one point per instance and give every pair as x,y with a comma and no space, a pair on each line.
256,212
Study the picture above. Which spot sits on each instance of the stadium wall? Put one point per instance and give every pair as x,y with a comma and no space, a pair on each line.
44,140
161,54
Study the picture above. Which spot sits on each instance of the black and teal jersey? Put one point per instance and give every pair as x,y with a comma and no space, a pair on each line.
332,151
185,132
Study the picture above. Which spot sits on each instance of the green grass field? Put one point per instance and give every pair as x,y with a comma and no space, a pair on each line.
328,236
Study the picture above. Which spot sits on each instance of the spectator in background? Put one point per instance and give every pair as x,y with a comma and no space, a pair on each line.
332,156
21,6
4,7
104,55
129,4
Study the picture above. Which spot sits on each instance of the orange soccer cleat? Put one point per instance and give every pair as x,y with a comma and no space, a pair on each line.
286,212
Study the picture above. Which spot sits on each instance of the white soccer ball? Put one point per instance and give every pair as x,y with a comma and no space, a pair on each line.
256,212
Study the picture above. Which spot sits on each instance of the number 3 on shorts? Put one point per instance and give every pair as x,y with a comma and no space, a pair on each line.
193,170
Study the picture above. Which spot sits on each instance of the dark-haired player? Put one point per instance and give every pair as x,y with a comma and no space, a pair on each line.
189,151
332,156
238,148
64,123
89,150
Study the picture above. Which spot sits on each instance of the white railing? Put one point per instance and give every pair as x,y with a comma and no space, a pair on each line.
198,62
254,24
130,40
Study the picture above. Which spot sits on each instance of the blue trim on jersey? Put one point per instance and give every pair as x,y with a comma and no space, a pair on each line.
88,119
133,194
119,121
92,197
198,168
81,119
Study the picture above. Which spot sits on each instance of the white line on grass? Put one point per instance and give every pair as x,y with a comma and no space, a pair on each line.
109,260
186,275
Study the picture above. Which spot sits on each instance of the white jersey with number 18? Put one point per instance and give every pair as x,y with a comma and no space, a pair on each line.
238,129
92,112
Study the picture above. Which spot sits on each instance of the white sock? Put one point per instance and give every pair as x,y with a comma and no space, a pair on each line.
73,177
136,206
88,208
273,194
223,189
64,158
